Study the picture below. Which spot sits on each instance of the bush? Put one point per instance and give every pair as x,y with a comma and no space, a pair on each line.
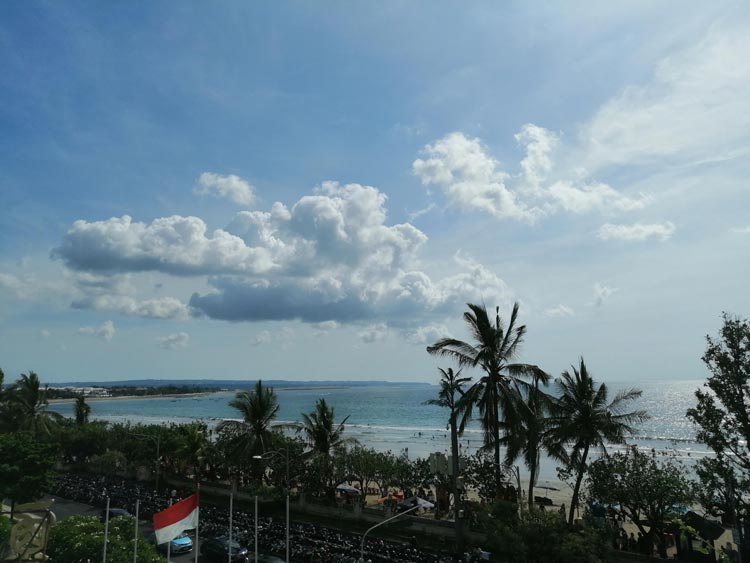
543,537
4,531
81,538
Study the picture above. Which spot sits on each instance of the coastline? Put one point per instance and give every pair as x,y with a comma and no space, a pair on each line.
129,397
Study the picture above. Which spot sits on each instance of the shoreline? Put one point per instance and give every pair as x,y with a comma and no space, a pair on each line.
128,397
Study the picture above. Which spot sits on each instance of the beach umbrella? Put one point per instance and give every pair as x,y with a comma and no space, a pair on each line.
415,501
547,488
348,489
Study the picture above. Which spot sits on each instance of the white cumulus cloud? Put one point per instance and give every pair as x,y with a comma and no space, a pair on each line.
373,333
559,311
106,330
539,144
471,180
231,187
602,293
331,256
175,245
323,328
158,308
636,232
261,337
176,341
427,334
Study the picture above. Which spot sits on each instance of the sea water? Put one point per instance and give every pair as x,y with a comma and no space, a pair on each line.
396,417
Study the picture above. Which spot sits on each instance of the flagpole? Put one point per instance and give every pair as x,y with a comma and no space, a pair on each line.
256,529
231,505
169,543
106,533
198,518
135,535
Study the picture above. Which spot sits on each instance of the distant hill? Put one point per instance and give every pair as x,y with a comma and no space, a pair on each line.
231,383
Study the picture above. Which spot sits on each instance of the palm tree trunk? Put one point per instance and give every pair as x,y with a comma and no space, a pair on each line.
577,489
456,491
532,478
496,437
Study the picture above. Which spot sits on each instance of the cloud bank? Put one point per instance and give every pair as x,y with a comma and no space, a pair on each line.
330,257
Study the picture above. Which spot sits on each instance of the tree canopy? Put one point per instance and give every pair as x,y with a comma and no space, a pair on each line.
26,467
722,415
641,487
81,538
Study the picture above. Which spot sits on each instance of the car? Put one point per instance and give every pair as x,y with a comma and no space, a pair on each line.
268,559
217,549
113,513
181,544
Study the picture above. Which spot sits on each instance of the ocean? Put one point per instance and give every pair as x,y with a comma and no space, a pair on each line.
395,417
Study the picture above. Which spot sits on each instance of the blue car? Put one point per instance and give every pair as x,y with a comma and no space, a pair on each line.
181,544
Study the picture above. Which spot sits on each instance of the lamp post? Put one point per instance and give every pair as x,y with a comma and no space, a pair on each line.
269,455
362,545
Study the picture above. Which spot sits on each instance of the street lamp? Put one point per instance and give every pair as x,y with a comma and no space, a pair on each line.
269,455
362,545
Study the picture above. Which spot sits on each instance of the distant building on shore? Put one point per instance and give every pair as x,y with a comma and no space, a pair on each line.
88,391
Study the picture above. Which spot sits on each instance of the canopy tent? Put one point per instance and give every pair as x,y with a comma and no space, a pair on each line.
348,489
415,501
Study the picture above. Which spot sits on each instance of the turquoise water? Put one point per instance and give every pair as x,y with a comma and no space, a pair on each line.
392,417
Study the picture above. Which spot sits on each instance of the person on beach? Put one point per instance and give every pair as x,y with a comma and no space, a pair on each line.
632,543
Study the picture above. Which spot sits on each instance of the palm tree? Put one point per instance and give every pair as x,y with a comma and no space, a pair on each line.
451,390
252,435
27,406
82,410
529,433
323,436
192,448
493,349
585,418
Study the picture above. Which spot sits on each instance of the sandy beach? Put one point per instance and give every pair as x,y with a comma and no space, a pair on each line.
127,397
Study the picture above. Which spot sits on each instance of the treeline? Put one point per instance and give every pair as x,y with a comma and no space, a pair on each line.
126,391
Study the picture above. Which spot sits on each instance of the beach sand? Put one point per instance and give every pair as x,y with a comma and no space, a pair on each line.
127,397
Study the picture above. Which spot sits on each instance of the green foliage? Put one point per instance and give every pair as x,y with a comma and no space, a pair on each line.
586,419
722,414
82,410
362,465
253,435
192,449
81,538
493,348
112,462
723,490
26,467
24,407
131,391
542,537
723,410
531,431
480,474
4,531
640,487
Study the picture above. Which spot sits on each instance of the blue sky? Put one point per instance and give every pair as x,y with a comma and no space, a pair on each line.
314,191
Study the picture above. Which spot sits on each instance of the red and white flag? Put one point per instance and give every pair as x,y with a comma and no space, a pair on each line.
181,516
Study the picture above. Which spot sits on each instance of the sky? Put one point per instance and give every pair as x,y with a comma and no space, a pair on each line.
303,191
